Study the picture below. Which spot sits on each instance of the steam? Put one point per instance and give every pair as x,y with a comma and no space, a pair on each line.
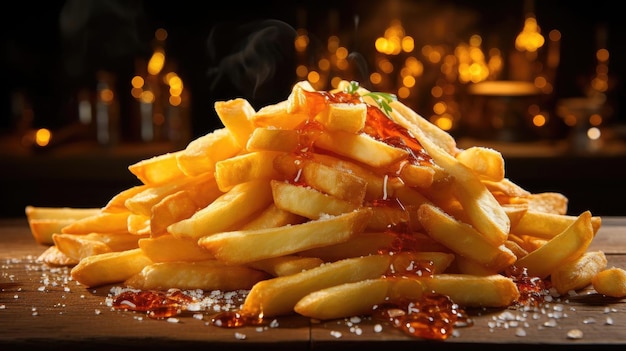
255,59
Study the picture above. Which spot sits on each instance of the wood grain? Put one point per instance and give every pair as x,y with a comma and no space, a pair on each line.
39,308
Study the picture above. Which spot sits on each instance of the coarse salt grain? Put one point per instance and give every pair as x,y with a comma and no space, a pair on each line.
240,336
575,334
335,334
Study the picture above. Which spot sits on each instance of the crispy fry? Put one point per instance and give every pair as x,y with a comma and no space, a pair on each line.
158,169
338,301
273,217
45,221
286,265
474,291
207,275
278,296
244,168
610,282
167,248
202,153
109,268
231,209
103,222
307,202
567,246
272,139
238,247
235,114
343,117
463,239
546,225
118,202
486,162
78,247
577,274
360,147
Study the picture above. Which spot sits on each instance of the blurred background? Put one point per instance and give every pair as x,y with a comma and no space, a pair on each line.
94,86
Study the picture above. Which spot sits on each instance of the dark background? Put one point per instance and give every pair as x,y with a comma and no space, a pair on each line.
52,49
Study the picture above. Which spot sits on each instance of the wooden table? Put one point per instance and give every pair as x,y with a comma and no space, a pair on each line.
40,308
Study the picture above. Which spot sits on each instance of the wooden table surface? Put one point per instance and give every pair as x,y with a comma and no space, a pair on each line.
42,309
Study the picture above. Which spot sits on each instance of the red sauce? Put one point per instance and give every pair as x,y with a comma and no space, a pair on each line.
377,124
433,317
532,289
156,304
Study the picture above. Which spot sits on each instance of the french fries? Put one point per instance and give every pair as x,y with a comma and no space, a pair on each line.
327,204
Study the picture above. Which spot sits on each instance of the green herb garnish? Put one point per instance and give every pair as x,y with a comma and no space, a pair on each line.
382,99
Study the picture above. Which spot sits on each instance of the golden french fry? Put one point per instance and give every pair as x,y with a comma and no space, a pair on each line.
329,180
384,217
474,291
158,169
577,274
171,209
244,246
566,246
361,245
339,301
167,248
71,213
202,153
412,120
118,202
505,188
417,175
278,296
360,147
138,224
78,247
272,139
278,116
235,115
244,168
43,229
286,265
549,202
103,222
200,185
206,275
109,268
273,217
343,117
45,221
231,209
487,163
610,282
307,202
468,266
463,239
182,205
547,225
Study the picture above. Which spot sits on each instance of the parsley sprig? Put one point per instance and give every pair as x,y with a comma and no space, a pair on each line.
382,99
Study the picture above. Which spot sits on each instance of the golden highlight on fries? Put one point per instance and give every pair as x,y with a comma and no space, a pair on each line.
326,205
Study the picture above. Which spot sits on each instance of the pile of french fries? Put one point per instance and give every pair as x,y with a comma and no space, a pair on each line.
320,209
